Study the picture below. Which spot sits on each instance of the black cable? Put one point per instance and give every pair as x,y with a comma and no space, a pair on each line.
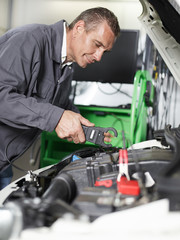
141,103
134,156
12,164
117,90
18,168
120,91
120,121
106,93
123,139
141,177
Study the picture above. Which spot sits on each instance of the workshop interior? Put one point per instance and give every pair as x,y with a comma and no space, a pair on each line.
131,186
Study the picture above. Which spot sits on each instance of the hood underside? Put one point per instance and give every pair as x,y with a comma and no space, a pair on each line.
161,20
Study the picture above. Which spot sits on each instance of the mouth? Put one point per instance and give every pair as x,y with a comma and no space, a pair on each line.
89,60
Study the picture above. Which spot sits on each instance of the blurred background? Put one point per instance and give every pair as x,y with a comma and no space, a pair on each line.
14,13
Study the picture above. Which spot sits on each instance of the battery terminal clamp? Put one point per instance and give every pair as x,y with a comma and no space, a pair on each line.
125,185
96,135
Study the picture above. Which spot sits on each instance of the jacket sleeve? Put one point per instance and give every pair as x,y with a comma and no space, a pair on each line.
19,59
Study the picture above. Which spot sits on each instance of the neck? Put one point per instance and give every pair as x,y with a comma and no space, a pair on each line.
68,45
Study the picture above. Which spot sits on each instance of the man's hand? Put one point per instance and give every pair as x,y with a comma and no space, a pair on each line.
69,127
108,137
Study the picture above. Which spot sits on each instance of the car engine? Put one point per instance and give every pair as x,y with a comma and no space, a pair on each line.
90,183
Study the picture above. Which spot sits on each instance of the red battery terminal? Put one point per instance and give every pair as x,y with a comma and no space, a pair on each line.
128,187
124,184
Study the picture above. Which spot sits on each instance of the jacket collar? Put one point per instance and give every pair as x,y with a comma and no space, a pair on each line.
56,32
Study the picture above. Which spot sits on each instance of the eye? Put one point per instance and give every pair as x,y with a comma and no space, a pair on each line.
97,44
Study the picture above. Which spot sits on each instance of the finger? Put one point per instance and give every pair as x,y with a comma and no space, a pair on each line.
108,134
69,139
81,136
76,139
86,122
107,139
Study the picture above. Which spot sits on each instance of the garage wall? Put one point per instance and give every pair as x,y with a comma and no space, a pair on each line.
50,11
3,16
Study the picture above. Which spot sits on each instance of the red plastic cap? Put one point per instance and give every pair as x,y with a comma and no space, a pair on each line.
106,183
126,187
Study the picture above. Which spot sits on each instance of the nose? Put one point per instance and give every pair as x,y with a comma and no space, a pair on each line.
98,54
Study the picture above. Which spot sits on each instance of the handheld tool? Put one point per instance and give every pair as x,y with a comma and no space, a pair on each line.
96,135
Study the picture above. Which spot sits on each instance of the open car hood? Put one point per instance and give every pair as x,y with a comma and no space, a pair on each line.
161,20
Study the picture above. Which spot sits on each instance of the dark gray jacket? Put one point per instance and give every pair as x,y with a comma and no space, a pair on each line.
33,90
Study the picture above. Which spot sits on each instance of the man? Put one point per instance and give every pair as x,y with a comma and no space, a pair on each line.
35,78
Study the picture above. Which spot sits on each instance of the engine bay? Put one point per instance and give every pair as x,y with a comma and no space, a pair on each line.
90,183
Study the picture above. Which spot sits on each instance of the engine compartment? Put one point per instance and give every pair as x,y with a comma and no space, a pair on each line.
85,184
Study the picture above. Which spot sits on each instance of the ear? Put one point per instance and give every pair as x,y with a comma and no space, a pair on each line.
78,28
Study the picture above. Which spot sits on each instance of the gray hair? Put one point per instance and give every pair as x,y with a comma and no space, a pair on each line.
94,16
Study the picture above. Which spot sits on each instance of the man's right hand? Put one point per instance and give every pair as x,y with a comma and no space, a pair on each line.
69,127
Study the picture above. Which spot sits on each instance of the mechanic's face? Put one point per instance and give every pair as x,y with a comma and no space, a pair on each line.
88,47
